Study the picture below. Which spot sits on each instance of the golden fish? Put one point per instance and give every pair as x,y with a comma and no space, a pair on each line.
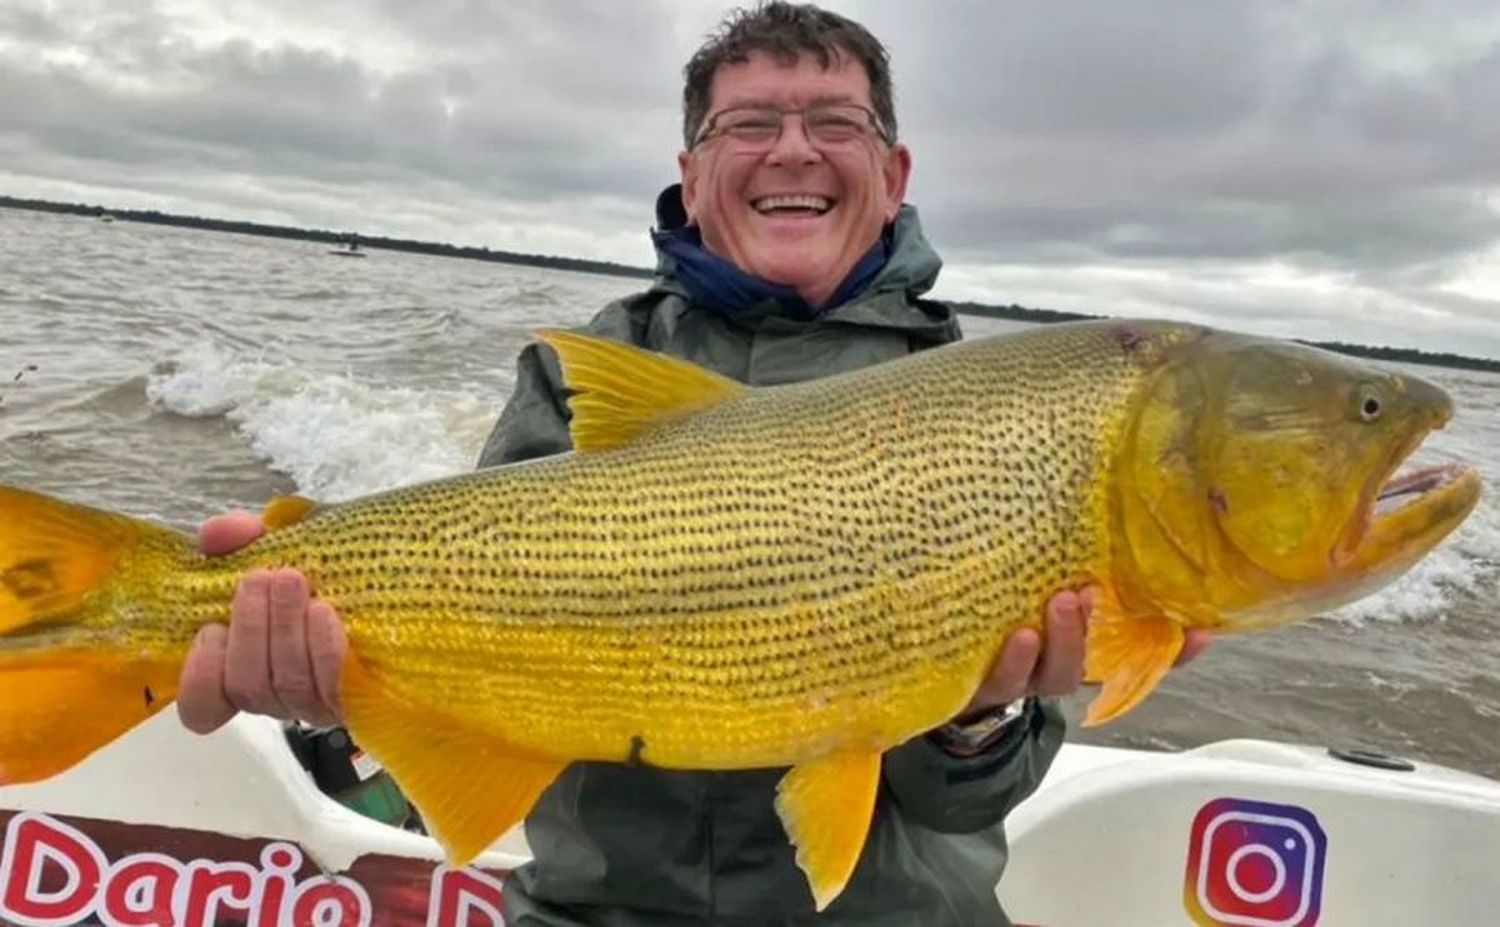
722,577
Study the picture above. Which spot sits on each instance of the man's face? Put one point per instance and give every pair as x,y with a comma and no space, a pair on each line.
844,194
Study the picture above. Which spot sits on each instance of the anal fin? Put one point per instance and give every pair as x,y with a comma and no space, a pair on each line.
1128,656
470,787
826,806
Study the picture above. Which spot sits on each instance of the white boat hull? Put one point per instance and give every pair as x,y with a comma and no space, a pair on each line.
1246,833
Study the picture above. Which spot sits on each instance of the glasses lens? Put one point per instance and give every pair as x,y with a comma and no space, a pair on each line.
760,126
749,126
838,125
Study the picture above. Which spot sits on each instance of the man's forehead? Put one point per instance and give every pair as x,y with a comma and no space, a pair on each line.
765,78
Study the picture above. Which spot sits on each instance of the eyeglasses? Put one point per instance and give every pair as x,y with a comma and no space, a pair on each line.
828,125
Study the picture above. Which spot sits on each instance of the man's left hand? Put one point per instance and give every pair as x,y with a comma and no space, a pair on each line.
1029,666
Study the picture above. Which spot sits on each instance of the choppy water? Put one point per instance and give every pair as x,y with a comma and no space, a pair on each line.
178,373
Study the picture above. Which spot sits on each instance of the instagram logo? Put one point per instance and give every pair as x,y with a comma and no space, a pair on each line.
1255,864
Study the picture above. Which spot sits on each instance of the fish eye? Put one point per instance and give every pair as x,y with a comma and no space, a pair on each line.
1370,406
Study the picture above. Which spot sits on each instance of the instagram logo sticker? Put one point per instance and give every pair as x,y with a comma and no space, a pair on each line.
1255,864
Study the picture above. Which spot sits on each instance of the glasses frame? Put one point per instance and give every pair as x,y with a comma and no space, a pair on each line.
710,130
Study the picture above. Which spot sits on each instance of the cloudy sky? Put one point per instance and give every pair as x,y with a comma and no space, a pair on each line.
1322,169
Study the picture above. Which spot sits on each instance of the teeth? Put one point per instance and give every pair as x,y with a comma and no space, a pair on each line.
798,201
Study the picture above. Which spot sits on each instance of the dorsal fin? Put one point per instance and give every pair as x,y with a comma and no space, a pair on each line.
286,510
619,390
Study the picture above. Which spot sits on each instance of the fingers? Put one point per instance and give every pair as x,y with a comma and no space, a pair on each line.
281,655
1193,644
327,646
247,662
224,534
202,704
1011,672
1060,669
291,673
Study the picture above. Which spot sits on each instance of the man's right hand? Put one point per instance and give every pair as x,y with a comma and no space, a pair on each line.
280,655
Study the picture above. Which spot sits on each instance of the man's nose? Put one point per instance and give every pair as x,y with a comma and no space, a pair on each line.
793,145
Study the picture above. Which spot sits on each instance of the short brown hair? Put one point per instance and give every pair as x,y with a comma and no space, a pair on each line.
785,30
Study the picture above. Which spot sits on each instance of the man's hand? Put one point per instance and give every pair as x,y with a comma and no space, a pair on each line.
1027,667
280,655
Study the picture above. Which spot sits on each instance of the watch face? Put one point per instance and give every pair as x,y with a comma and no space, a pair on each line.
986,727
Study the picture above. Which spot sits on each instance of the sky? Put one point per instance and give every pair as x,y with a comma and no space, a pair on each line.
1327,169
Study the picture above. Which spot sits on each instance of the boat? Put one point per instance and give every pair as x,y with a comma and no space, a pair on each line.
1238,832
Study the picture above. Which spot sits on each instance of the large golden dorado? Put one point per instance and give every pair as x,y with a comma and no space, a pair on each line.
807,575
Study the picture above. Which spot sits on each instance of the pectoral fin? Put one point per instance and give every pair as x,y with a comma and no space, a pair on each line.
1128,656
469,787
826,806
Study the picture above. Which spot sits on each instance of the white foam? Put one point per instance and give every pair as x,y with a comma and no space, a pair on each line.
336,436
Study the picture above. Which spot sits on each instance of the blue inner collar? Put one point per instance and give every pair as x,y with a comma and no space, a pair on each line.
721,286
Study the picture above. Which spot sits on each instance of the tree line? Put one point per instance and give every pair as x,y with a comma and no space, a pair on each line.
155,217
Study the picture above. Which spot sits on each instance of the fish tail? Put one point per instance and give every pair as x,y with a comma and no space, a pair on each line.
64,692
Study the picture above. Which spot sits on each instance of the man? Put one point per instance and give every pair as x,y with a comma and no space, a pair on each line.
797,259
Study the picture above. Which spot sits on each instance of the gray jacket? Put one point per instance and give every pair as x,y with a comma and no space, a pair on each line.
618,845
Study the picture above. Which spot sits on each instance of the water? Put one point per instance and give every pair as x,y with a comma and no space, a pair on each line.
178,373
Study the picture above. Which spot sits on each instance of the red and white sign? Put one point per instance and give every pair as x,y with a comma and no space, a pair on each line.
57,873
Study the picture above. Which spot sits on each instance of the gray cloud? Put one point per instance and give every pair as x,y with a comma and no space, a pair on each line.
1350,144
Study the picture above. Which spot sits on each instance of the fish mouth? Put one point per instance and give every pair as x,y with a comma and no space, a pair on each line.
1409,512
1410,488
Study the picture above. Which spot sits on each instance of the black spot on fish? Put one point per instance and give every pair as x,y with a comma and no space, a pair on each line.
1218,500
29,579
1130,338
150,696
637,747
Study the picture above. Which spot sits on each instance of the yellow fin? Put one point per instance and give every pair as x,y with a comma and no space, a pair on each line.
470,788
618,390
286,510
54,553
826,806
60,707
1128,656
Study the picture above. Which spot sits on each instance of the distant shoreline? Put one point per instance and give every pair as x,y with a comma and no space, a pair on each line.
437,249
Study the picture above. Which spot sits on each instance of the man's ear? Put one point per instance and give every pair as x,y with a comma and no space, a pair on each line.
687,168
897,172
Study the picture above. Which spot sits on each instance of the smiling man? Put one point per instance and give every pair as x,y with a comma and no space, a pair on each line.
800,207
786,253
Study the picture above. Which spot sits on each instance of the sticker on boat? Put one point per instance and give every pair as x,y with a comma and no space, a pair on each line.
1255,864
62,871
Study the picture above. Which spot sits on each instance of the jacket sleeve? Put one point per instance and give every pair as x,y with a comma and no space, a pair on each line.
534,423
962,795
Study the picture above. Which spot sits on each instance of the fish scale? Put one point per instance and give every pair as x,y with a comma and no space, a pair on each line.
784,561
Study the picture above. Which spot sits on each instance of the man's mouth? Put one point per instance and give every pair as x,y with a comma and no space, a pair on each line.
800,204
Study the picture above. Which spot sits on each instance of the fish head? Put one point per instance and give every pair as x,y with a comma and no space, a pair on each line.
1266,483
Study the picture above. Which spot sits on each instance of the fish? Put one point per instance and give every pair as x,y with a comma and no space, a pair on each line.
804,575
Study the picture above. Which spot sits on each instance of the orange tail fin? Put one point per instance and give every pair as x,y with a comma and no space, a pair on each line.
63,692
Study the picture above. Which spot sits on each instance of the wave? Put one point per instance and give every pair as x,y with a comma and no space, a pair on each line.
336,436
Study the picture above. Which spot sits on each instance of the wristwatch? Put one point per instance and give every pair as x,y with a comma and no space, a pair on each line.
973,735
